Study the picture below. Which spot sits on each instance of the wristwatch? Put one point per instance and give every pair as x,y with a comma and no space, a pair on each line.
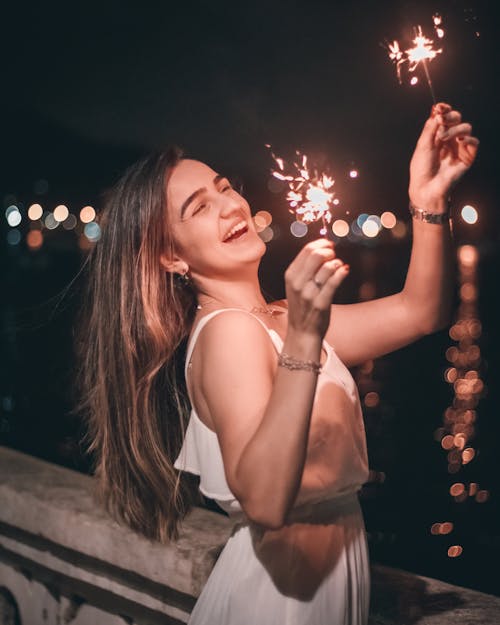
431,218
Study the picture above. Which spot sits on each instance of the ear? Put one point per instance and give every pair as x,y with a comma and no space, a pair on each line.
173,264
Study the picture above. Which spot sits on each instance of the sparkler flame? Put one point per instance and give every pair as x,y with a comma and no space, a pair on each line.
310,193
422,51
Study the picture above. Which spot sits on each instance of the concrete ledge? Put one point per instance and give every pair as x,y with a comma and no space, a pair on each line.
50,526
401,598
62,559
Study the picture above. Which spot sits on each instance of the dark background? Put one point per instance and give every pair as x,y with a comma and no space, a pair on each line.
87,90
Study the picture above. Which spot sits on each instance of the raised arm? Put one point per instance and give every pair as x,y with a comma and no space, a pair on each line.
360,332
261,412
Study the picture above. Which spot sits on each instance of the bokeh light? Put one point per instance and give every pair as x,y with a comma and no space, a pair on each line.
340,228
267,234
370,228
356,229
482,496
61,212
447,442
262,219
457,489
87,214
50,221
464,376
13,216
473,487
34,239
468,455
92,231
298,229
454,551
468,255
70,222
354,173
360,220
400,230
388,219
371,399
13,237
35,211
469,214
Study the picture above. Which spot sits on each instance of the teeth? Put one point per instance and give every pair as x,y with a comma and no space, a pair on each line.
239,226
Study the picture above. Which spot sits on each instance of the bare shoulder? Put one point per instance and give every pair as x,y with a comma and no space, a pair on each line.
232,371
233,334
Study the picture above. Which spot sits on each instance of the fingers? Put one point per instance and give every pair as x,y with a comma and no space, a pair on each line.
308,261
315,274
428,135
437,128
452,132
326,270
438,112
457,141
467,150
324,298
319,289
440,108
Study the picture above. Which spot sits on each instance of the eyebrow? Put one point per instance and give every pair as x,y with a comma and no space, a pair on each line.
196,193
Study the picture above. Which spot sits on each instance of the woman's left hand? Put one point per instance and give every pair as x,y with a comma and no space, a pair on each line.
445,150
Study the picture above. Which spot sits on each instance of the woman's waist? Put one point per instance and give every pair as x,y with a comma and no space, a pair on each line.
328,510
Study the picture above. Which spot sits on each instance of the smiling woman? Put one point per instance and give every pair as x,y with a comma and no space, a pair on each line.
267,413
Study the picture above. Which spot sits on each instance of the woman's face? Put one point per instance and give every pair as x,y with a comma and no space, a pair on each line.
213,230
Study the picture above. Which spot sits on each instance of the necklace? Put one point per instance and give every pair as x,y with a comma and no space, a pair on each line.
266,311
258,309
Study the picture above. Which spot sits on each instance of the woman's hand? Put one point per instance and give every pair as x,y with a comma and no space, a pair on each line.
444,151
311,281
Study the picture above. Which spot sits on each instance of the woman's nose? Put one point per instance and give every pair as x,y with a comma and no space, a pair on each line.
229,203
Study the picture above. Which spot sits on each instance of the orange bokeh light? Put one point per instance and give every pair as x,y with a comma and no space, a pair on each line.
457,489
454,551
34,239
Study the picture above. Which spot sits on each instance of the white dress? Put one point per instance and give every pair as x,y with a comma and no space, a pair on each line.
315,570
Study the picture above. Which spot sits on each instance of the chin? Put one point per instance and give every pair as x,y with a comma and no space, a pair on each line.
250,247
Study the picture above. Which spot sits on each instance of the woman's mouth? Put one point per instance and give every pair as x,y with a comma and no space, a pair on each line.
236,232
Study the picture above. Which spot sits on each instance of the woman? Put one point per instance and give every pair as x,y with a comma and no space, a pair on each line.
275,430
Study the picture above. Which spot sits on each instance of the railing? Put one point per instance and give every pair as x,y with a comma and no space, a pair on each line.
63,560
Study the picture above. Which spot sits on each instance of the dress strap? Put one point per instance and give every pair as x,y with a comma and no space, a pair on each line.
202,323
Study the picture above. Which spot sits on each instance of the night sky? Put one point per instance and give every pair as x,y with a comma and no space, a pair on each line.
87,89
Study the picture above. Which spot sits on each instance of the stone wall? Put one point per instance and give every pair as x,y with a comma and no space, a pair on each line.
64,561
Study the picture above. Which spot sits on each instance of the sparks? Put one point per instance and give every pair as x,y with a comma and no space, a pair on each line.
421,53
310,194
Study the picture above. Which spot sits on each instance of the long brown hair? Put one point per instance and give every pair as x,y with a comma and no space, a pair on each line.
130,339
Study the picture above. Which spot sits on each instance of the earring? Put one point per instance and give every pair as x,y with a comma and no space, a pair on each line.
185,278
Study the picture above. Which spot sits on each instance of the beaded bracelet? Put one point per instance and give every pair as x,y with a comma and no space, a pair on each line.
431,218
289,362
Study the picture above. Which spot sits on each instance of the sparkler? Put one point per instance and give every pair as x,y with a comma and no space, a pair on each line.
310,195
422,52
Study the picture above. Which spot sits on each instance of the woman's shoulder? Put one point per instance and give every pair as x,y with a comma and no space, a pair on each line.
228,324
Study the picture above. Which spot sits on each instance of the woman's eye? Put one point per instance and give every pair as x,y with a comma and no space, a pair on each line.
226,187
199,208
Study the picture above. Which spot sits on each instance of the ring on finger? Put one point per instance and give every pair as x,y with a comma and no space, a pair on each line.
317,282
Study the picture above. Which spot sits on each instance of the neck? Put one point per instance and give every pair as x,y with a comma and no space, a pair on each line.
231,294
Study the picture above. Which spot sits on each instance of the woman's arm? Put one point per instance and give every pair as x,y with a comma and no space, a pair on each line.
261,412
360,332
